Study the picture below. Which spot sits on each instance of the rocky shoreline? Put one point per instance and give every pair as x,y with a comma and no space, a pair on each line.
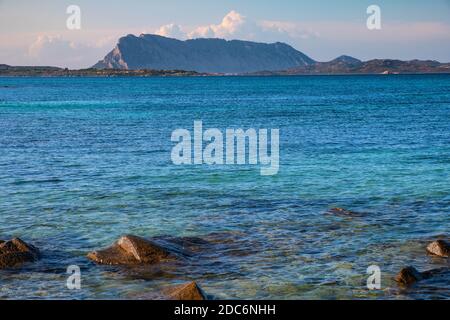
42,71
410,275
133,251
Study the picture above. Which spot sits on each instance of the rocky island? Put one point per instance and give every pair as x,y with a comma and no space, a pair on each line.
151,55
238,57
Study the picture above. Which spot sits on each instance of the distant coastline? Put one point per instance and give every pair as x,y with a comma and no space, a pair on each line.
46,71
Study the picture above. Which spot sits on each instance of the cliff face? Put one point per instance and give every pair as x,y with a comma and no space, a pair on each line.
201,55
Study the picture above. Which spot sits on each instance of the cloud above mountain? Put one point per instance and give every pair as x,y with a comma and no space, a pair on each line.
45,50
171,30
234,25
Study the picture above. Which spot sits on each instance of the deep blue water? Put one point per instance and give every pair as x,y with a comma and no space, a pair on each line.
85,160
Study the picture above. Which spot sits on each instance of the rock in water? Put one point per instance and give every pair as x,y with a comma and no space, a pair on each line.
343,212
189,291
409,275
131,250
16,252
439,248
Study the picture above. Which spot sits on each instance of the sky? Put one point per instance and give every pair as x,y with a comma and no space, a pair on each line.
35,32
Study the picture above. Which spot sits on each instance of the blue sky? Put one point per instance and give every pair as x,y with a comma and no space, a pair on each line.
34,32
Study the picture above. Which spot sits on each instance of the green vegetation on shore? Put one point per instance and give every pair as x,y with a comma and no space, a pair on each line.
32,71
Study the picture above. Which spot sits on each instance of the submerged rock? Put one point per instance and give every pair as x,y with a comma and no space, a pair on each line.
343,212
439,248
132,250
16,252
188,291
409,275
436,272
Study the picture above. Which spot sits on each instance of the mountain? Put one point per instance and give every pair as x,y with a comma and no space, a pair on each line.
151,55
397,66
201,55
345,60
349,65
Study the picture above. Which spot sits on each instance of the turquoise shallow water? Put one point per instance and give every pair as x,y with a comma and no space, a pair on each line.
85,160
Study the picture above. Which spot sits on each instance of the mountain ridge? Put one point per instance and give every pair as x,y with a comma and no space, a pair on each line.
219,56
209,55
374,66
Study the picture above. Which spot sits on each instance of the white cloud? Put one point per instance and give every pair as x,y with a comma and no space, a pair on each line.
43,44
172,31
232,24
48,50
288,29
237,26
106,41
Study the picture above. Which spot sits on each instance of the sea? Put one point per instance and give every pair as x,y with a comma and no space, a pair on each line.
86,160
